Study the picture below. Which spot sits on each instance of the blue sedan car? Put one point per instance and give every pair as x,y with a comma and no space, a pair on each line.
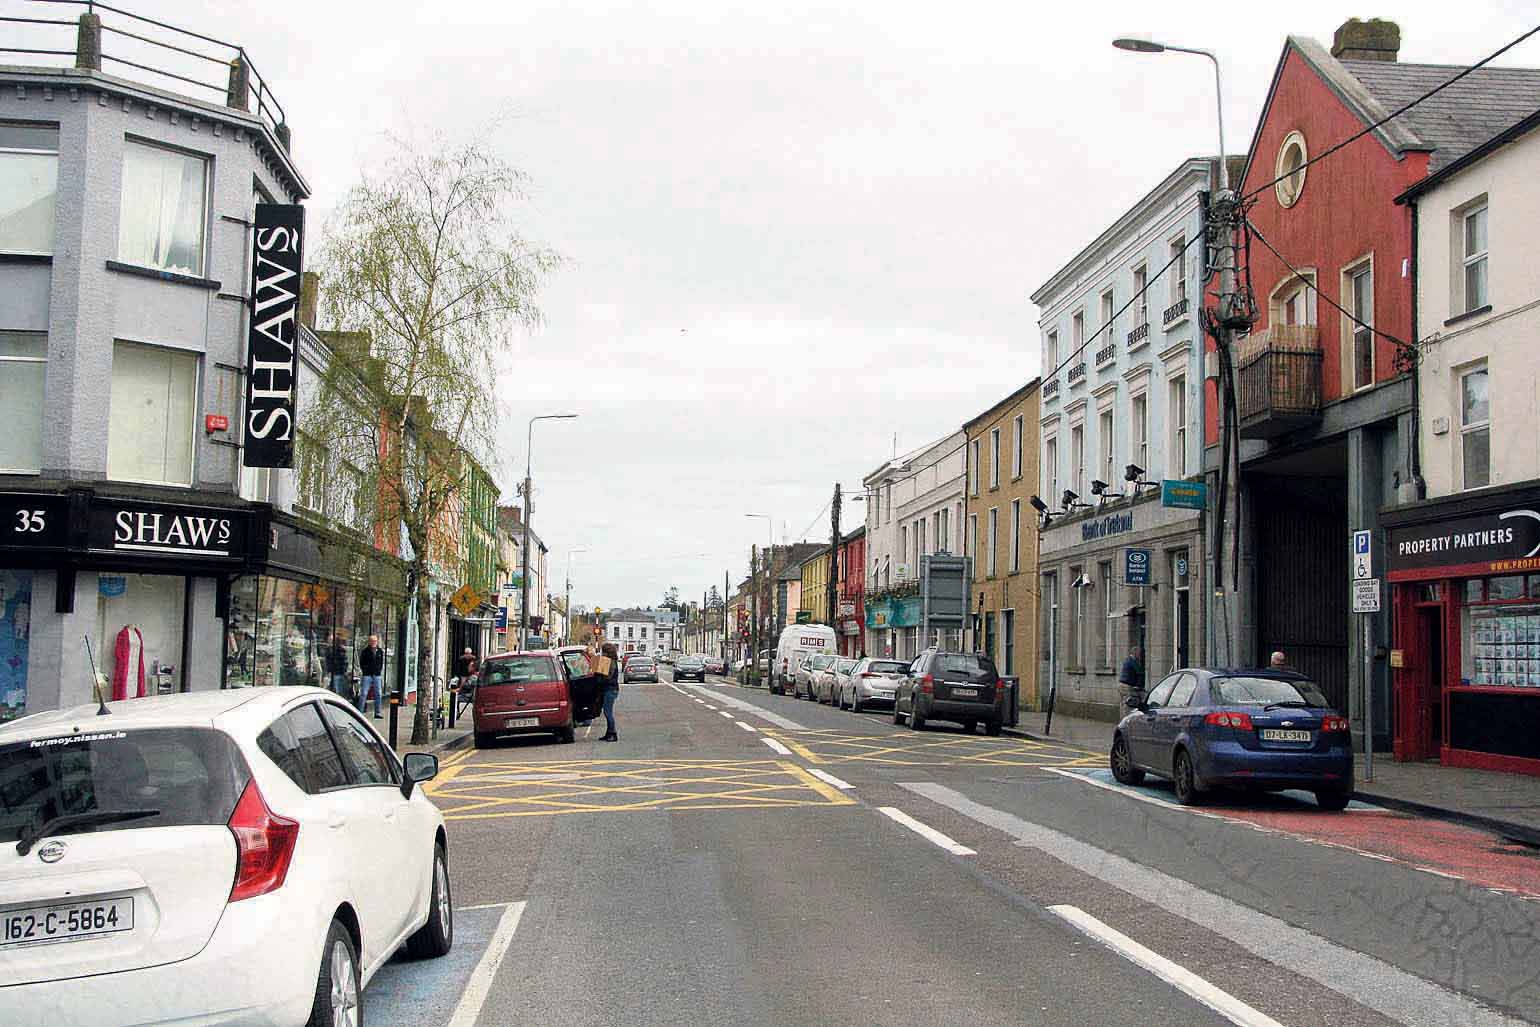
1267,730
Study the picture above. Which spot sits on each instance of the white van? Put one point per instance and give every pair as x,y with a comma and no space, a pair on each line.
798,643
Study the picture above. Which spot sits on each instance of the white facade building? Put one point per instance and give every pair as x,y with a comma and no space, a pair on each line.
632,631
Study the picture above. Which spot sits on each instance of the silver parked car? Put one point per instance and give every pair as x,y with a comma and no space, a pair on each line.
834,679
871,683
804,677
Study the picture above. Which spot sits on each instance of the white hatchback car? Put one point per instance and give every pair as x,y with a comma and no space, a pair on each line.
249,856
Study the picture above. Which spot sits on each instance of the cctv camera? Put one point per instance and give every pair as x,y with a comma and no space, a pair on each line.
1070,498
1133,472
1098,487
1038,505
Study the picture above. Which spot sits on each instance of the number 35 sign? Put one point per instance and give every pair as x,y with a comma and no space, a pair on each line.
32,521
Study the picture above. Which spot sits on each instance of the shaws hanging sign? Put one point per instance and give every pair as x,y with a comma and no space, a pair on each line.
272,363
1509,540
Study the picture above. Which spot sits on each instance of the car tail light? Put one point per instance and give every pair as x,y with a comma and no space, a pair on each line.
1334,725
869,674
1226,719
264,844
927,684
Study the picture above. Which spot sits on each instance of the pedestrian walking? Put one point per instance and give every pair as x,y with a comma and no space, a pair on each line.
611,692
1131,676
337,667
371,664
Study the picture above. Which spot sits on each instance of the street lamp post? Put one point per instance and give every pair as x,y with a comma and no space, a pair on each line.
769,594
524,577
567,603
1221,210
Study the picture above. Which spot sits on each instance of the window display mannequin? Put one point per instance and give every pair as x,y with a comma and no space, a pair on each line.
128,664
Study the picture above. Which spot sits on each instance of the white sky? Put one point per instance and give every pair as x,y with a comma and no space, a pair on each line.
792,229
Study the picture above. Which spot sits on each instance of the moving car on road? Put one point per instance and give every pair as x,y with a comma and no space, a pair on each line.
871,682
249,856
690,667
714,665
962,687
805,676
1267,730
640,669
523,693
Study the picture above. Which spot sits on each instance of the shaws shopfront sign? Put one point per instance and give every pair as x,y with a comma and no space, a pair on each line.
1490,543
82,528
165,532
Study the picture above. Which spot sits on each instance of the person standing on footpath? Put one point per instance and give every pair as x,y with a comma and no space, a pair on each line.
1131,676
1278,661
337,667
611,692
371,665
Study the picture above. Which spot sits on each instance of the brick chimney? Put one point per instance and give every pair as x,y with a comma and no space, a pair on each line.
309,298
1372,40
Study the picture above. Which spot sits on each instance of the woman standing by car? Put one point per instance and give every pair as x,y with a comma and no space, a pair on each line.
611,692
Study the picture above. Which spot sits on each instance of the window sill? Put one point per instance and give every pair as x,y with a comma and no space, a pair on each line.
26,258
163,276
1171,326
1074,670
1469,315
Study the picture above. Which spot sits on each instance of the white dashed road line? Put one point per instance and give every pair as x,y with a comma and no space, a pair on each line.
480,984
733,702
830,779
724,713
1386,989
925,831
778,747
748,727
1179,977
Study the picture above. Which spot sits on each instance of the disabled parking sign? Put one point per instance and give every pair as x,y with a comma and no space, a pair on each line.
1363,557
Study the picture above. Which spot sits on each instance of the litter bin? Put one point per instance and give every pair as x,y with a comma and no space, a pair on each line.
1012,685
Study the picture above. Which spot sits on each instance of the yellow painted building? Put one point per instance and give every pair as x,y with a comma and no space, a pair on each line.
1002,529
815,586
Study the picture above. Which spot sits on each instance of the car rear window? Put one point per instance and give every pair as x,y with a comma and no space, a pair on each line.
191,775
1248,691
518,670
887,667
845,666
971,664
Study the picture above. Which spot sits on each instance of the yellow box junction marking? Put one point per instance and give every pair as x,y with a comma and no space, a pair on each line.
471,789
931,749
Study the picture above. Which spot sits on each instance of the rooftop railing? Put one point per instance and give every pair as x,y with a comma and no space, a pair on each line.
165,53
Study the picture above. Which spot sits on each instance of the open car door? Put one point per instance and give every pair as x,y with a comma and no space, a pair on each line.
585,687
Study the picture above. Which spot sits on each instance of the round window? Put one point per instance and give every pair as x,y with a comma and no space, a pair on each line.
1290,169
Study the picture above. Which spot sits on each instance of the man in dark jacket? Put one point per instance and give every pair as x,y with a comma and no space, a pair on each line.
371,665
337,667
1131,676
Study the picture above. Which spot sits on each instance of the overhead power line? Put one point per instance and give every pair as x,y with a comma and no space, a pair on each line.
1395,113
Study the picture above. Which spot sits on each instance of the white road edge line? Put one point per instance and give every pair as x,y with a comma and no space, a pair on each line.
1397,994
1179,977
778,747
925,831
748,727
484,905
724,713
830,779
480,985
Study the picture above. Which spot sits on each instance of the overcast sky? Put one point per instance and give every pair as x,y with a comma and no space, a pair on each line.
792,229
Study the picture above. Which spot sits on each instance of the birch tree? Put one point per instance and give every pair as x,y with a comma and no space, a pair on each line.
427,282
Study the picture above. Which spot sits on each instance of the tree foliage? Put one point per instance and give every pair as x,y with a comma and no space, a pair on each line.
426,281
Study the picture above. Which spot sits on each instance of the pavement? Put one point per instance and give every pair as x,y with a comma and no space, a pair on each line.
740,857
1508,804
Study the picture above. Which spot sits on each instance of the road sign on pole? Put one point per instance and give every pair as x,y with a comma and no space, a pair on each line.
1363,555
1366,595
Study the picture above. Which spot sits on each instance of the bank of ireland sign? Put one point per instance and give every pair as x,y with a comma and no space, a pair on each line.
271,359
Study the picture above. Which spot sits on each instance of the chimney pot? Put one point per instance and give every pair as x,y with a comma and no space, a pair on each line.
1372,40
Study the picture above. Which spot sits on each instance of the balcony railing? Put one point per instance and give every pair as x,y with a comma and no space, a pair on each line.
1138,335
1077,373
1106,354
1050,388
1175,310
1278,381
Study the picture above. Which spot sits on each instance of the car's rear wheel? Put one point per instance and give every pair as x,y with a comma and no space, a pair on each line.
970,727
482,740
437,936
336,988
566,735
855,701
916,722
1122,761
1185,780
898,718
1334,799
992,728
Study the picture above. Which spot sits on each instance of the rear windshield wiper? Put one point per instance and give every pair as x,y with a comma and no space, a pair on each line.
1291,703
70,821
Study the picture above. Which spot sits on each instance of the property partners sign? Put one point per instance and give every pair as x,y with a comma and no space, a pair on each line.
272,360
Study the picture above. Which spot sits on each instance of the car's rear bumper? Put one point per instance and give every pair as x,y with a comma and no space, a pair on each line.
868,696
549,720
258,982
961,709
1232,764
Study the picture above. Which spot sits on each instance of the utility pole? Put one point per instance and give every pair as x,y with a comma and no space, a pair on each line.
834,554
754,613
726,591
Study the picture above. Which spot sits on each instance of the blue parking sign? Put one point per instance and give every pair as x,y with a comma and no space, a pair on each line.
1136,566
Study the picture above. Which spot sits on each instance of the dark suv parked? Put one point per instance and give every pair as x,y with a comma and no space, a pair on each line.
963,687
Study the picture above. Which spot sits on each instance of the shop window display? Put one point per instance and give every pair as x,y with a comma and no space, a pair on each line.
1502,633
139,633
282,632
15,628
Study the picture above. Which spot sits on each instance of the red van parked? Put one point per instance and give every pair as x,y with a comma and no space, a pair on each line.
531,693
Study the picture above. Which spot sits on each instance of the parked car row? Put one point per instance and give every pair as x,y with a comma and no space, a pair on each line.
960,687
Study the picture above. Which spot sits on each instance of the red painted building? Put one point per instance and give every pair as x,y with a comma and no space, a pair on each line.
1327,407
851,619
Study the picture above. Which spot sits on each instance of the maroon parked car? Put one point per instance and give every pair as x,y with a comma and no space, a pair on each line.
531,693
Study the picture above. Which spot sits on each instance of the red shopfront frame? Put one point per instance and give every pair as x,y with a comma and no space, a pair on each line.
1430,695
